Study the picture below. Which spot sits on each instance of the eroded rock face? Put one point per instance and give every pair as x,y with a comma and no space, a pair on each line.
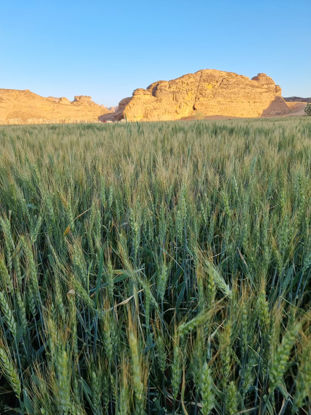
205,93
25,107
118,113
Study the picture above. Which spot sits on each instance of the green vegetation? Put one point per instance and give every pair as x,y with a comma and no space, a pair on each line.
159,268
308,109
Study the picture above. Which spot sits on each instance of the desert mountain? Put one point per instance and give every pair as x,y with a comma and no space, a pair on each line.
25,107
204,93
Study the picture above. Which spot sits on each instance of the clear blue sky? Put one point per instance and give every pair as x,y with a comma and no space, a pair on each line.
107,49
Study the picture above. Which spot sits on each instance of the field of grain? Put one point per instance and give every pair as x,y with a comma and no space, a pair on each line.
156,268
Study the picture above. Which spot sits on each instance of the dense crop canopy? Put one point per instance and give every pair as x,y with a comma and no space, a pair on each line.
156,268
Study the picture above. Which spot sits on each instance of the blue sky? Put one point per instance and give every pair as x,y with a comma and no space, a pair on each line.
107,49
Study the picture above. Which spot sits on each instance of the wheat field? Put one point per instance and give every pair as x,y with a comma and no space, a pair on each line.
156,268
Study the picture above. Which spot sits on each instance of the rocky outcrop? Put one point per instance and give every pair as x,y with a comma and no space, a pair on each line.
203,94
25,107
206,93
83,99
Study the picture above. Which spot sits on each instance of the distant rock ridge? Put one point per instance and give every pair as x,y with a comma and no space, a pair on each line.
26,107
205,93
297,99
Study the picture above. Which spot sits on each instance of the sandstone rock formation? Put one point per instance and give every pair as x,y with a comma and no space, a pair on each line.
118,113
203,94
206,93
25,107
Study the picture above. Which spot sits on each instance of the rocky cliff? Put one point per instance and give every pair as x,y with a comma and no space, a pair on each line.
206,93
25,107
